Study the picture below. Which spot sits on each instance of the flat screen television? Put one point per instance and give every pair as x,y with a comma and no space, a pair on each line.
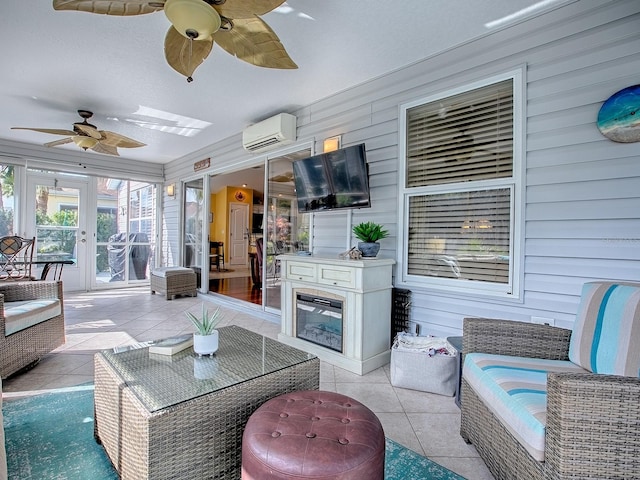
332,180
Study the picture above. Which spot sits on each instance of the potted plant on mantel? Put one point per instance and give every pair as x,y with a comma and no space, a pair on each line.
369,233
205,338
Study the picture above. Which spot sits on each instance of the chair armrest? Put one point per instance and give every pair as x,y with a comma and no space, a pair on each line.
520,339
19,291
592,425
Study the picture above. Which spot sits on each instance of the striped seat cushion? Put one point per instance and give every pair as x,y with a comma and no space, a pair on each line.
515,390
606,333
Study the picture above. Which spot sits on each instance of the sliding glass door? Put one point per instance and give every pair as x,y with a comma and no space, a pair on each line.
284,228
193,224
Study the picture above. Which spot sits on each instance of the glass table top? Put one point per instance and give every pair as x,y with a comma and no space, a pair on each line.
160,381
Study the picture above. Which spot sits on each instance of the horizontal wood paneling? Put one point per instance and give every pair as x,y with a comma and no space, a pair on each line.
582,203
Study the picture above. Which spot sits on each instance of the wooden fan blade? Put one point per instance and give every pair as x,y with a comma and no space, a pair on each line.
89,130
110,7
59,142
112,139
53,131
253,41
185,55
106,149
246,8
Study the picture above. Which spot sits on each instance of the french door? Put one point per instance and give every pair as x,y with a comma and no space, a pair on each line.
58,219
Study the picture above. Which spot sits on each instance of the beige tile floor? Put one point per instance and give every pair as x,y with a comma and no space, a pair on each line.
426,423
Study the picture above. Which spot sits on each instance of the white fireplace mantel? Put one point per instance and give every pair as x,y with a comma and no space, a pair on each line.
365,288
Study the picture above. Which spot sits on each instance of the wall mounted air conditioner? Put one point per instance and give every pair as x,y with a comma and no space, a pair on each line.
270,133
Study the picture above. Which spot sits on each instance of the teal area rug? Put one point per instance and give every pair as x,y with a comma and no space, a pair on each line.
50,436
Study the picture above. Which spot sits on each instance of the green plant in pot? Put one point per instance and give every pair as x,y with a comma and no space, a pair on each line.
369,233
205,338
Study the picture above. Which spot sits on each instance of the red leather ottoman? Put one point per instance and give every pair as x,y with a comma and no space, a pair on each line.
313,434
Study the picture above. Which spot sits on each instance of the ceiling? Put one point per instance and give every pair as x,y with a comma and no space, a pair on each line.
56,62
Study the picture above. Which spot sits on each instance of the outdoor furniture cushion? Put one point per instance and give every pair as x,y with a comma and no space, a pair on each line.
168,271
313,434
24,314
606,333
515,390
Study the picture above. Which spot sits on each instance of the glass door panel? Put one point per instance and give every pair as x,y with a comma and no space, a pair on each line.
59,224
193,225
125,226
283,226
7,201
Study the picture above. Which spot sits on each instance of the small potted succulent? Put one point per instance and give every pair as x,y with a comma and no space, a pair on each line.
205,338
369,233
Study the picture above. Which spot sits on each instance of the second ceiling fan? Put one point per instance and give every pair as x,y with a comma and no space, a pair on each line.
234,25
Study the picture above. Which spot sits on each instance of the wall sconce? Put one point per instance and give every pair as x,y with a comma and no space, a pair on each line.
332,143
171,190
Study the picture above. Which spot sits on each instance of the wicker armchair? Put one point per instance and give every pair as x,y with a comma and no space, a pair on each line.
25,346
592,419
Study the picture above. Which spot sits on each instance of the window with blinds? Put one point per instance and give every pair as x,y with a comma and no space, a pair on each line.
459,186
461,235
462,138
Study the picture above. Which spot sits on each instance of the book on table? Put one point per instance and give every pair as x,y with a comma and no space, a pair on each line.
169,346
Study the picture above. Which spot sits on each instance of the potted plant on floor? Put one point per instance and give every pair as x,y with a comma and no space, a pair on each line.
369,233
205,338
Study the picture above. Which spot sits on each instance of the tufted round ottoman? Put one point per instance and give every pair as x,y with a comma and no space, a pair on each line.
313,434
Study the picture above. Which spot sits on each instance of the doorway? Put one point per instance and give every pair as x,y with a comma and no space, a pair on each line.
238,234
59,223
125,226
106,226
273,223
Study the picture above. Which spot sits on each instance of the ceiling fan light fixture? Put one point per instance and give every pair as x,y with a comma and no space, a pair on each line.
194,19
84,142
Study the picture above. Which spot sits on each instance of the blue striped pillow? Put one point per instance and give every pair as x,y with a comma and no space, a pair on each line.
606,333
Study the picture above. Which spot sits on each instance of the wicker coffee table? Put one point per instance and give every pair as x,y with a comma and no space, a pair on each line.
181,416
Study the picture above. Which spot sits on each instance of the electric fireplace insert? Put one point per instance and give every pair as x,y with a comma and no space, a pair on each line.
319,320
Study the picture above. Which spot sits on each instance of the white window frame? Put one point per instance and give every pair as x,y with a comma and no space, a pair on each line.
513,289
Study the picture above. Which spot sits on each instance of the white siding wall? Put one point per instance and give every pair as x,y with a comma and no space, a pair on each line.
582,191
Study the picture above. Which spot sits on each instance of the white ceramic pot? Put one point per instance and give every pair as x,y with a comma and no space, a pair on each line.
205,344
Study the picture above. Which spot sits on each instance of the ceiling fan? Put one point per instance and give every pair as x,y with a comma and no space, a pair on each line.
86,135
234,25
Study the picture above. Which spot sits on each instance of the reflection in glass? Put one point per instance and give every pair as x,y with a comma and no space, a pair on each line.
285,230
193,224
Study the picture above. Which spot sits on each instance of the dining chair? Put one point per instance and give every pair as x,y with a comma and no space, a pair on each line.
16,257
216,255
